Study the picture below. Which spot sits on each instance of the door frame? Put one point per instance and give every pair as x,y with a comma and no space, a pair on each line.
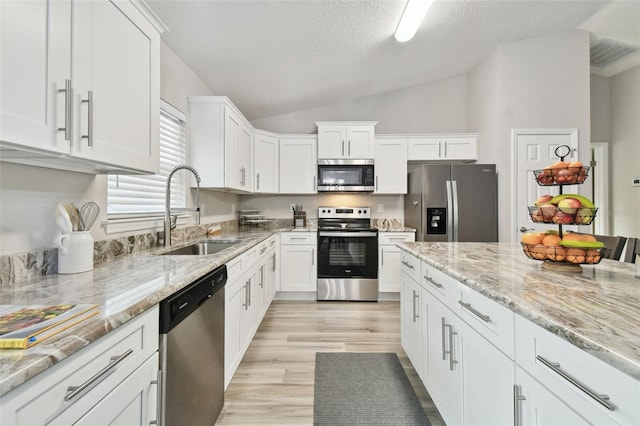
515,134
600,185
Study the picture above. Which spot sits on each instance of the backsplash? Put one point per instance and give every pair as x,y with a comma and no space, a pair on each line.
15,268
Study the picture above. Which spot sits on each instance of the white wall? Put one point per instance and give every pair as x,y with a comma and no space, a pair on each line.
436,107
625,152
541,82
28,195
600,109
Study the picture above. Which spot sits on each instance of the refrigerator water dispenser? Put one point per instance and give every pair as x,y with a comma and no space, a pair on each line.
437,220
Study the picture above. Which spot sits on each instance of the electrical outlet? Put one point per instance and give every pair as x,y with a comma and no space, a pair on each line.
380,208
635,181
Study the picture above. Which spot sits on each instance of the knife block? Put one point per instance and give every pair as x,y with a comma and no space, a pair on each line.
300,219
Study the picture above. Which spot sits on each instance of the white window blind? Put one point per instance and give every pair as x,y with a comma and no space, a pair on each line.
144,196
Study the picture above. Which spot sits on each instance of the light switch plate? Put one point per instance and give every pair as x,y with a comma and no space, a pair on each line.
380,208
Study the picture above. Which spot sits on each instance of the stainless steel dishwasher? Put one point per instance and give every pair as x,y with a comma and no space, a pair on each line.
192,352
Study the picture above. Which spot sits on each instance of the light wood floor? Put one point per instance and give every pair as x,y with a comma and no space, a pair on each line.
274,382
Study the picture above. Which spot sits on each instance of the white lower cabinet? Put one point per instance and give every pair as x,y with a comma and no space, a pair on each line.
484,365
119,373
247,298
536,406
389,259
298,267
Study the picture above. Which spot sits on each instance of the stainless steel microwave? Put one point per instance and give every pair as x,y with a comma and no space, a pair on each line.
345,176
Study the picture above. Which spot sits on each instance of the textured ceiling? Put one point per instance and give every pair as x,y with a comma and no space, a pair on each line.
272,57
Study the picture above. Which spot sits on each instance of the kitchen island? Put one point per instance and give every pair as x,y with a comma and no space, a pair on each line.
495,336
597,310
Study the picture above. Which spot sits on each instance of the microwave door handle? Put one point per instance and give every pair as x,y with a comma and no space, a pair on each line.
449,211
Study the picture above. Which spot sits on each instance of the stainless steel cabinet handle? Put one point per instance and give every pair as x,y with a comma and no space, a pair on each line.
257,180
440,149
89,101
349,150
244,302
445,149
74,391
471,309
262,250
273,265
450,351
313,185
158,383
600,398
249,293
415,296
517,413
407,264
444,347
434,283
376,183
382,257
313,256
262,276
68,110
342,154
298,238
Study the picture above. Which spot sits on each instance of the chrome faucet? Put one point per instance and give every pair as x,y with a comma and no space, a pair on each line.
167,207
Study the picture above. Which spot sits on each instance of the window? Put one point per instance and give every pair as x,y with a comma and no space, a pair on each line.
139,201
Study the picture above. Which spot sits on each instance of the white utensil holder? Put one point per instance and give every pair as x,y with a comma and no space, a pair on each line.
75,252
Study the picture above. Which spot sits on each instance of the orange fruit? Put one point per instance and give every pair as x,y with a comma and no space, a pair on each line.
593,256
575,166
571,237
551,240
538,251
531,238
589,238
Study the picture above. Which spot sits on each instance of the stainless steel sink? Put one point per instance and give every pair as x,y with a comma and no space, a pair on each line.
202,248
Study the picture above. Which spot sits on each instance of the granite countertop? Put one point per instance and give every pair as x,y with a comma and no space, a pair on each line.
123,288
597,310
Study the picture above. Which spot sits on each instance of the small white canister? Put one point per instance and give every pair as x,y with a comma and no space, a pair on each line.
75,252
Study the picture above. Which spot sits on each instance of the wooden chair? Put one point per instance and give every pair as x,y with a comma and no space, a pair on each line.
633,250
614,245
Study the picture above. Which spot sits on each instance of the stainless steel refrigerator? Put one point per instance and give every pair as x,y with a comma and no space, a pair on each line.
448,202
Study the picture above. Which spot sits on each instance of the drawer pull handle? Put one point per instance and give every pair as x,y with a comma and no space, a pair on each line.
158,383
415,296
555,367
407,264
471,309
74,391
434,283
262,250
517,412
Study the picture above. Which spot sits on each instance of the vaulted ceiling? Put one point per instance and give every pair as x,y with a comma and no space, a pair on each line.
278,56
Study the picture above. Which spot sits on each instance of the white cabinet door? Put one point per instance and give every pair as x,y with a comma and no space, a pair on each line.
232,170
298,166
440,375
487,379
244,157
389,268
332,141
132,402
116,69
260,288
265,164
424,149
391,166
298,268
411,328
248,311
536,406
460,148
234,305
360,142
35,61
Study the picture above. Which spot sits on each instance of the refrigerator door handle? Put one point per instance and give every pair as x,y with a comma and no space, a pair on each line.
449,211
454,185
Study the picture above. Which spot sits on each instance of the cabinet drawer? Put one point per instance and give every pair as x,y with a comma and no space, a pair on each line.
47,396
493,321
536,346
395,237
410,265
288,238
440,285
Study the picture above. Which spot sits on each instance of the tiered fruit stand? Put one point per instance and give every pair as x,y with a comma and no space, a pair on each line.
563,258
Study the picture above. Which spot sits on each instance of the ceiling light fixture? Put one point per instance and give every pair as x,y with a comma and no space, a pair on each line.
412,17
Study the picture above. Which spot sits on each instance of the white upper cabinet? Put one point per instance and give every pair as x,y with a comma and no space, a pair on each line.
338,139
443,147
265,163
390,166
220,143
81,79
298,164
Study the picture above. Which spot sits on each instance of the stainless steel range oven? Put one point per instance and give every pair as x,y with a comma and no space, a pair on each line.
347,254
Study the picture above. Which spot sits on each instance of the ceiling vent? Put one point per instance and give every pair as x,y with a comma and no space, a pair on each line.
606,51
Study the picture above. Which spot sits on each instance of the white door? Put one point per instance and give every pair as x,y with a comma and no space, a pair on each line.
359,142
298,166
244,157
35,61
534,150
234,304
298,268
332,142
265,164
116,79
232,171
391,166
411,333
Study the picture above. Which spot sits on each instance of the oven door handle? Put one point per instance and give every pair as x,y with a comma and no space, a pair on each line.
356,234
